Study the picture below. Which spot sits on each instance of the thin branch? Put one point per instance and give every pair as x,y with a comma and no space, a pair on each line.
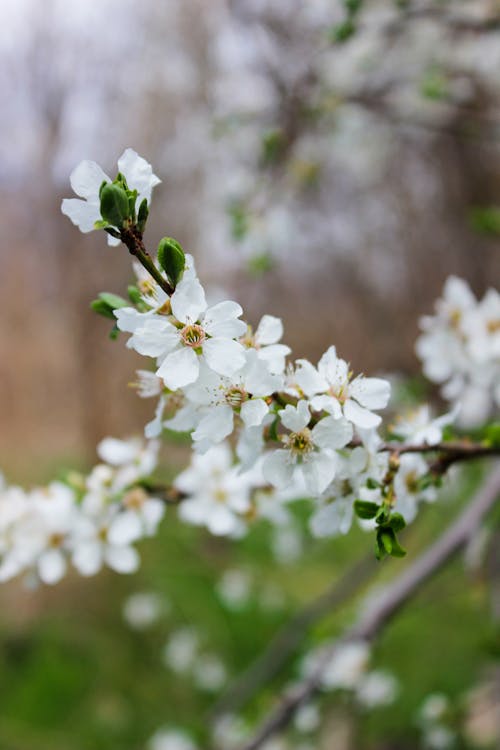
389,602
132,238
288,638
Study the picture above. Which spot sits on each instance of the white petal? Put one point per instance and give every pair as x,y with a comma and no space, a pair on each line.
274,356
221,521
318,471
154,338
87,178
179,368
82,214
269,330
188,301
184,420
52,566
359,415
152,513
222,312
138,173
224,355
373,393
253,412
309,379
128,319
334,369
122,559
277,468
126,527
295,418
328,404
332,433
332,519
216,425
87,558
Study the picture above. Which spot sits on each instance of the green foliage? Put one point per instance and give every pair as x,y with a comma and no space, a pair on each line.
239,220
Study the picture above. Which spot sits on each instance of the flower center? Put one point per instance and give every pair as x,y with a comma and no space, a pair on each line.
220,495
299,443
411,482
134,500
493,326
235,396
193,336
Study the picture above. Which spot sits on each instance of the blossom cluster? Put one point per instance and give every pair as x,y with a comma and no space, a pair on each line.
460,349
264,430
89,521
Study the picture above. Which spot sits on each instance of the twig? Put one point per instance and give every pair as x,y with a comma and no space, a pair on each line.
389,602
287,639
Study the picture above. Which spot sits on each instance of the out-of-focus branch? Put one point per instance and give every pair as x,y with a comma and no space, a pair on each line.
389,602
288,638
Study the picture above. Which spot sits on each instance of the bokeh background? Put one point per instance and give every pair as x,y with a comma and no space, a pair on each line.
332,178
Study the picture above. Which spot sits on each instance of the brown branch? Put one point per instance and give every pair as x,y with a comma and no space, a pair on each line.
389,602
132,238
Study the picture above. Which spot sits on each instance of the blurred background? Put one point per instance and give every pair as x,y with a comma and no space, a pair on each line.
328,162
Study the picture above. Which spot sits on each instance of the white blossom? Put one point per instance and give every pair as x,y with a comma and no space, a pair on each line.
87,178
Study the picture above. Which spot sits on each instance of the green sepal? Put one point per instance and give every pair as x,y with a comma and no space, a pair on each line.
103,183
114,205
134,294
142,215
365,509
112,232
372,484
273,429
172,259
114,333
132,199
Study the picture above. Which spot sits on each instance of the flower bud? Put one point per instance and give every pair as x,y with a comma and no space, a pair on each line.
114,205
172,259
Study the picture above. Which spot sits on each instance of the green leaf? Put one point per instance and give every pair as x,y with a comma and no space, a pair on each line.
365,509
113,300
101,308
114,205
114,333
172,259
372,484
397,522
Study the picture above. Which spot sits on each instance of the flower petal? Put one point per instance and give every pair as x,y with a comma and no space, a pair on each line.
295,418
87,178
372,393
224,355
269,330
215,425
318,471
360,416
179,368
82,214
277,468
188,301
253,412
332,433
